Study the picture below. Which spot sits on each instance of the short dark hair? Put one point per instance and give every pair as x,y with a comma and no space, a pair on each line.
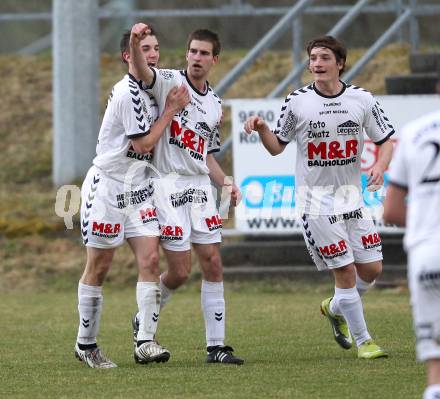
205,35
125,41
338,49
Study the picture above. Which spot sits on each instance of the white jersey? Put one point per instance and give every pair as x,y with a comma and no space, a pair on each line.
193,132
130,113
329,133
416,167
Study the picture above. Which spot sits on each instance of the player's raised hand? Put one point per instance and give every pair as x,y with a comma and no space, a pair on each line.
178,98
255,123
138,32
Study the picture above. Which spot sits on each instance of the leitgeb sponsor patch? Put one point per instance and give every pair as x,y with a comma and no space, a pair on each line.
348,128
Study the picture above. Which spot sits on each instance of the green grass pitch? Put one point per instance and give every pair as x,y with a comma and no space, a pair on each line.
287,345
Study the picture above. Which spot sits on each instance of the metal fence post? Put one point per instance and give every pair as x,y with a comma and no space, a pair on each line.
413,27
399,10
76,87
297,32
112,33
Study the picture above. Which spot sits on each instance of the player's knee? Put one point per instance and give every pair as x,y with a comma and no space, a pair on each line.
154,262
149,262
99,264
214,267
376,270
180,276
176,277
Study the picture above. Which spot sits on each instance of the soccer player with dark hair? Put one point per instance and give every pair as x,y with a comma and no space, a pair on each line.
327,120
185,163
117,204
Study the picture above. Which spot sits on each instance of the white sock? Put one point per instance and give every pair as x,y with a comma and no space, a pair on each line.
165,292
350,304
362,286
89,309
432,392
148,300
213,306
333,306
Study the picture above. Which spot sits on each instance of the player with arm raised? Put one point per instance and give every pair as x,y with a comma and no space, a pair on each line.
117,204
327,120
184,158
415,172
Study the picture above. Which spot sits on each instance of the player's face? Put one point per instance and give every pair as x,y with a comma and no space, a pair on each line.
323,65
150,50
200,58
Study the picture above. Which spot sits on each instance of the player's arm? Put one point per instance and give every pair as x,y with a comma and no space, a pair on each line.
219,177
177,99
268,138
379,129
395,205
375,174
138,32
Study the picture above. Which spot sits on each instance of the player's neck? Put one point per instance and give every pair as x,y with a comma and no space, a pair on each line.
132,72
199,84
329,88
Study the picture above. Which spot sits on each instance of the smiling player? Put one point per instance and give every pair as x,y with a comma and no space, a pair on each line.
327,119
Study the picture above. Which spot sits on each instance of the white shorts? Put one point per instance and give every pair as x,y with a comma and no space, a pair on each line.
338,240
187,212
111,212
424,284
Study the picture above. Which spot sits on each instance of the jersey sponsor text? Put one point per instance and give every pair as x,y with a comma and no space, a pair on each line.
357,214
334,250
131,153
187,139
191,195
133,197
332,153
148,215
371,241
214,222
171,233
106,230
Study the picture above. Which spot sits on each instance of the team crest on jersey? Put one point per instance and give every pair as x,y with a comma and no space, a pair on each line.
167,75
289,124
348,128
203,129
